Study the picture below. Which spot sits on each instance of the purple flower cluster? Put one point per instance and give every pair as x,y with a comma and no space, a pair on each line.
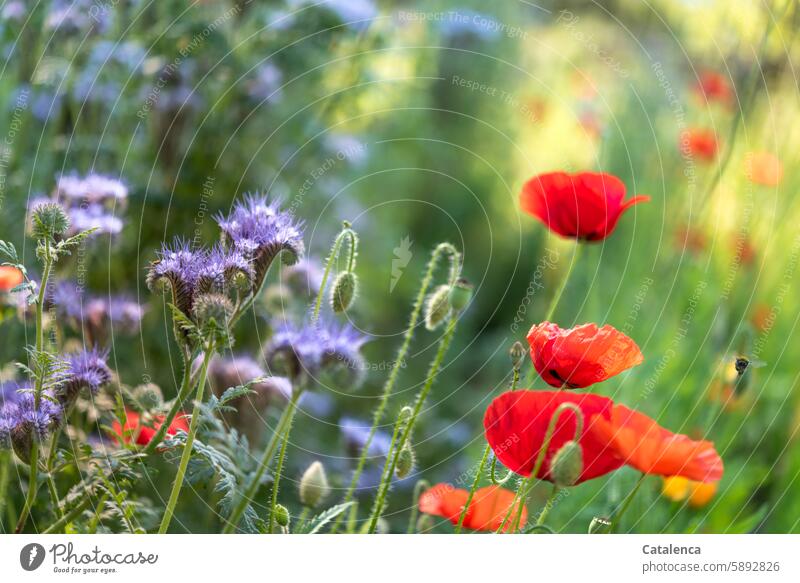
304,351
21,421
95,315
260,231
356,432
86,370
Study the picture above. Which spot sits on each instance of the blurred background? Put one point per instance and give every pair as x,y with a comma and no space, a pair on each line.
419,122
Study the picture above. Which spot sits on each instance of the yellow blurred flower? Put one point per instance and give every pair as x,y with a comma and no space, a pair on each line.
678,488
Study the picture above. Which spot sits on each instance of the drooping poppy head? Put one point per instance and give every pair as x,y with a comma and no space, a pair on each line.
763,168
580,356
643,444
516,424
143,434
10,277
699,142
714,87
486,511
584,206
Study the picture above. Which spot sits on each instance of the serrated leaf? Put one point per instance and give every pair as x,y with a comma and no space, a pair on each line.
314,525
8,249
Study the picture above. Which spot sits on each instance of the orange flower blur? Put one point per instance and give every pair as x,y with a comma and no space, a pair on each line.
584,206
763,168
580,356
678,488
645,445
143,433
10,277
701,143
486,511
714,87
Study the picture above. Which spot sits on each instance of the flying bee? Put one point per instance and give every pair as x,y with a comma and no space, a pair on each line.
741,364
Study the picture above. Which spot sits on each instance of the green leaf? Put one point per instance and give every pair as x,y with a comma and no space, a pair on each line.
749,523
9,251
314,525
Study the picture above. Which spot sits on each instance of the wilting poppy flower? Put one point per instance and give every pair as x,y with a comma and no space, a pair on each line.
580,356
645,445
144,434
585,206
486,511
10,277
516,423
713,86
678,488
763,168
699,142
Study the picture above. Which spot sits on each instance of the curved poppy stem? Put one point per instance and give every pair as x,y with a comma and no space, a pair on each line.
626,503
473,488
333,256
493,475
527,483
455,259
535,527
548,505
412,520
391,460
183,392
277,478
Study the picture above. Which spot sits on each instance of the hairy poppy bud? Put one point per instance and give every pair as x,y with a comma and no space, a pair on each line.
599,525
344,291
314,486
567,464
405,462
212,306
149,395
517,353
282,515
437,307
405,414
49,221
460,294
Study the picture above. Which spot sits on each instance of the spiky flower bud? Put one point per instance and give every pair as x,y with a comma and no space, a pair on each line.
212,306
149,395
567,464
460,294
282,515
437,307
314,486
49,221
405,462
517,354
599,525
343,291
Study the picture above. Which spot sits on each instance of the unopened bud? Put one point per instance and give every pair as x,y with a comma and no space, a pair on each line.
212,306
49,221
437,307
149,395
405,462
460,294
405,414
281,515
314,486
599,525
344,291
567,465
517,354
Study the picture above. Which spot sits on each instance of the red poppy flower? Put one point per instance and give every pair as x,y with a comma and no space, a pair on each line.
486,511
713,86
10,277
580,356
645,445
701,143
144,433
516,423
585,206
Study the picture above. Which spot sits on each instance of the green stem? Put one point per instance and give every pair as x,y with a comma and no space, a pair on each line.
626,503
244,501
474,487
547,506
493,474
402,353
301,520
32,488
5,459
183,392
412,520
187,448
391,460
51,486
334,254
277,478
76,511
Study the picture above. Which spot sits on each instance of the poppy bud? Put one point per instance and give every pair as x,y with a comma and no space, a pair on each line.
405,462
344,291
212,306
149,395
50,221
281,515
517,353
314,486
437,307
599,525
460,294
567,464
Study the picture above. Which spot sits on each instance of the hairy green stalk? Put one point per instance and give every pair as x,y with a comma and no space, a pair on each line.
276,481
472,489
346,232
626,504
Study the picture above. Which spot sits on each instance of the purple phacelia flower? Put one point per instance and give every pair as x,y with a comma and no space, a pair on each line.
178,268
86,370
356,433
221,269
22,422
261,231
94,216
